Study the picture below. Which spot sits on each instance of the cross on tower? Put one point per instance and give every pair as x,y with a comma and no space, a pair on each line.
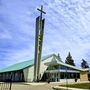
41,11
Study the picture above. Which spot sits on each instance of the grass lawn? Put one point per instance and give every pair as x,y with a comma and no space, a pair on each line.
79,85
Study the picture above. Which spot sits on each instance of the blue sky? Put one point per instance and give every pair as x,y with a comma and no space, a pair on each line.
67,28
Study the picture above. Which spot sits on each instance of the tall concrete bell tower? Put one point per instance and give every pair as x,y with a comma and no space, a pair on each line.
38,43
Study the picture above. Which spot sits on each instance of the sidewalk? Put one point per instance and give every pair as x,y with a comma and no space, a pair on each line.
37,83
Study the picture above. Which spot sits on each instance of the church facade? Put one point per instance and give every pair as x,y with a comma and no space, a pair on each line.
51,68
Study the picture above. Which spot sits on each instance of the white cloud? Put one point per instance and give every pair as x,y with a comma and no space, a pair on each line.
66,29
69,28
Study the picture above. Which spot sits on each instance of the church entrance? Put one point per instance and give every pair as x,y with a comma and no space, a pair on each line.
52,77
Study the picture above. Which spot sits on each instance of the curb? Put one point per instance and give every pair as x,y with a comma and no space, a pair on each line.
65,88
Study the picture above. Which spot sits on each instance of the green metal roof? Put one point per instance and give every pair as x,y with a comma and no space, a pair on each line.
22,65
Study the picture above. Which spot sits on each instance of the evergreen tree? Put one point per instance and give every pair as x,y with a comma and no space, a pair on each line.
84,64
59,58
69,60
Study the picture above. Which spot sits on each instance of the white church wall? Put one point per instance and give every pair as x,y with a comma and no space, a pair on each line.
43,67
25,74
29,72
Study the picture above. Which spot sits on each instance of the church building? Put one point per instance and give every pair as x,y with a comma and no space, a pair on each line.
52,68
48,68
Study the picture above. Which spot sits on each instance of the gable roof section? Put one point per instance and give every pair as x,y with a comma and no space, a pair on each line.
23,65
70,66
57,62
73,67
